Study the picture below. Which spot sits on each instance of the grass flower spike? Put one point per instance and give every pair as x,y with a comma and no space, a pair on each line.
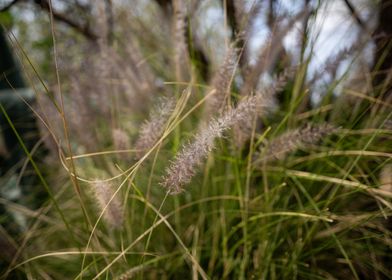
113,213
192,155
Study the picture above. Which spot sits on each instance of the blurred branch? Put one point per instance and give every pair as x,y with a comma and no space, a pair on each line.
165,5
240,23
271,14
110,20
195,50
44,4
355,14
272,50
7,7
82,29
306,103
83,6
231,15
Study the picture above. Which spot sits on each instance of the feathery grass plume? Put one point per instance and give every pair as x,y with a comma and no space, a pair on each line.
332,64
386,178
243,130
245,17
281,146
141,69
221,83
120,140
152,129
282,79
103,192
79,113
101,21
242,27
269,55
181,59
192,155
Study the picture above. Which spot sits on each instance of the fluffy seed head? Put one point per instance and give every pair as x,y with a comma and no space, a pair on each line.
221,83
281,146
120,139
269,54
181,59
255,108
192,155
103,193
154,127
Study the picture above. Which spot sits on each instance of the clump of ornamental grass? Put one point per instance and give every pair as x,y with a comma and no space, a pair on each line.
225,230
299,138
153,128
192,155
108,203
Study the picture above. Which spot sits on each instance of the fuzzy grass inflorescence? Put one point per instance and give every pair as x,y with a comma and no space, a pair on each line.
120,139
108,203
292,140
221,83
191,156
153,128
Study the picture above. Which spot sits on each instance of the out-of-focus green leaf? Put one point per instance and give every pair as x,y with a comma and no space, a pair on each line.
6,19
